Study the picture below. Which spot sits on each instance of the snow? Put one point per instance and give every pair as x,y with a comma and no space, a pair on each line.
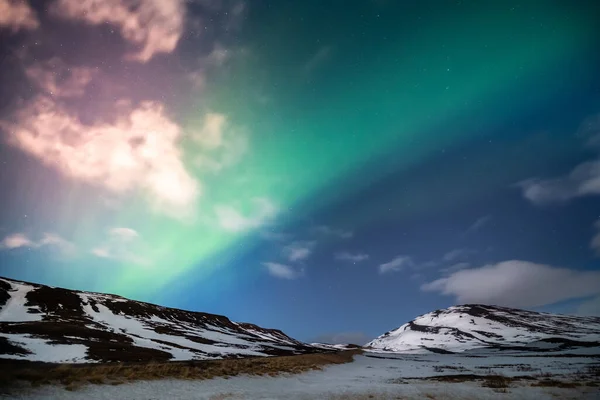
15,310
143,335
457,330
382,376
46,352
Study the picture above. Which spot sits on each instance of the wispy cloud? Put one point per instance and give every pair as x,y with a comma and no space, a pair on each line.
57,79
48,240
17,15
123,245
226,144
517,284
595,243
282,271
298,251
230,219
317,59
583,180
351,257
330,231
457,254
397,264
478,224
153,25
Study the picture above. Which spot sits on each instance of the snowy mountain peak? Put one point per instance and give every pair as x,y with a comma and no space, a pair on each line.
470,326
43,323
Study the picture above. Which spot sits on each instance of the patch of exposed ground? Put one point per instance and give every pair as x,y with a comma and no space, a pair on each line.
14,374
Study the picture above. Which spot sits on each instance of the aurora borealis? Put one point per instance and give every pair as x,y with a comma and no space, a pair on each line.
267,159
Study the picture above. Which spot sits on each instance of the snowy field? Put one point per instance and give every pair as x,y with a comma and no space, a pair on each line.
372,375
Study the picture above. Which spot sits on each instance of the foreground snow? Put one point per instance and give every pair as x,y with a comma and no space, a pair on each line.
373,374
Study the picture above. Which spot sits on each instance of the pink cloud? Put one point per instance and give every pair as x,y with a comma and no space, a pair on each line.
154,25
137,151
17,15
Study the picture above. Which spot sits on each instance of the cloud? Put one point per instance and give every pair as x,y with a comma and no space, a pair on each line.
282,271
478,224
317,59
358,338
590,307
137,151
397,264
330,231
217,57
15,241
230,219
123,245
57,79
584,180
17,15
298,251
517,284
226,143
153,25
457,254
351,257
595,243
48,240
455,267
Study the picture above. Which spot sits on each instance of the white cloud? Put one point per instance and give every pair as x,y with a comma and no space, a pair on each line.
137,151
351,257
330,231
595,243
282,271
517,284
230,219
397,264
57,79
154,25
123,245
298,251
48,240
17,15
584,180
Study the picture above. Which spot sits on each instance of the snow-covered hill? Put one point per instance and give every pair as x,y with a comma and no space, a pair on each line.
471,326
43,323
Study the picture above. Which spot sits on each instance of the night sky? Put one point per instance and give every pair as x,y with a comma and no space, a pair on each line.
328,168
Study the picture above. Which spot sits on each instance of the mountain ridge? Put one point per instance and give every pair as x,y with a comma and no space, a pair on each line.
45,323
470,326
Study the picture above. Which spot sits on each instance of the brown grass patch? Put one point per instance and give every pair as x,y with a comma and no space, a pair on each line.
556,383
75,375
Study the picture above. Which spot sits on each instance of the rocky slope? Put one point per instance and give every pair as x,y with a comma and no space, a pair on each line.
43,323
472,326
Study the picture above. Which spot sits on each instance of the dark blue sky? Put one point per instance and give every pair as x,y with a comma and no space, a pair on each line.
329,170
